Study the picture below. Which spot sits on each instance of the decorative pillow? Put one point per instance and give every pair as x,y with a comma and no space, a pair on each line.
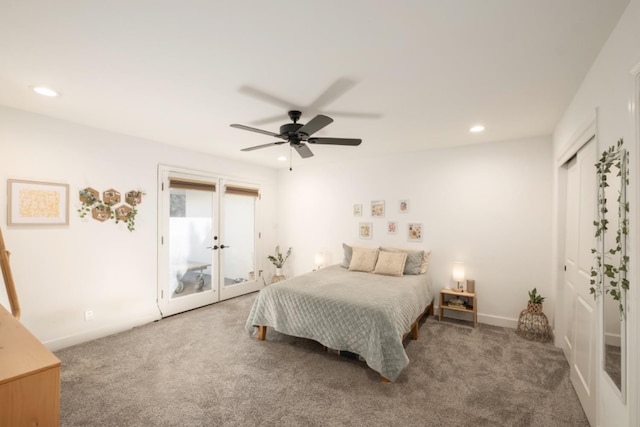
410,266
414,262
363,259
348,253
390,263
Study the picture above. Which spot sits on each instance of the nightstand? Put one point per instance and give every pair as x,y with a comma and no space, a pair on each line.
466,308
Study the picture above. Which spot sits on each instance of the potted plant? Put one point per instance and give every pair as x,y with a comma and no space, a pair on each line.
535,302
278,259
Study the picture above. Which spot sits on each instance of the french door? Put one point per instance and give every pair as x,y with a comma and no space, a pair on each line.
207,239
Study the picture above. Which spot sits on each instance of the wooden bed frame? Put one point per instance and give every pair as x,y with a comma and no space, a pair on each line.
262,330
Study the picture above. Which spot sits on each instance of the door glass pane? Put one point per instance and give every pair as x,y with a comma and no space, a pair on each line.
190,233
239,235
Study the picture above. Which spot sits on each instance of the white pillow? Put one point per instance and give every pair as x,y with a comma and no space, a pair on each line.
390,263
348,253
363,259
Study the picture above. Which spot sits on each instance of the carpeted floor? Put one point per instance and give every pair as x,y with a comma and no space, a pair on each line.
200,368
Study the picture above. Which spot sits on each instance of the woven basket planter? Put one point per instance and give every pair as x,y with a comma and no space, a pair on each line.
534,308
533,324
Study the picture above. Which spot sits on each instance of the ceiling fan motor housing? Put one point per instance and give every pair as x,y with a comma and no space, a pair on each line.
290,130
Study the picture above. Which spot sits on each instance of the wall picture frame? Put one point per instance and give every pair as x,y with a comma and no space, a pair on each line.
357,210
365,230
392,227
414,232
403,206
377,208
37,203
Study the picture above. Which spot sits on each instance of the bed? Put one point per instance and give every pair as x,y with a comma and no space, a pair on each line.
356,311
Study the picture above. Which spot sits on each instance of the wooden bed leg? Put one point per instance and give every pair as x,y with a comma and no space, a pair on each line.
430,309
384,380
414,331
262,332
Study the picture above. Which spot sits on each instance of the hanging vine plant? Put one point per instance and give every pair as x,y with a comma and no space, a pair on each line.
105,209
607,276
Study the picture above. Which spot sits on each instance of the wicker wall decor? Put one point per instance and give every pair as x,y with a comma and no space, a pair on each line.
533,324
105,209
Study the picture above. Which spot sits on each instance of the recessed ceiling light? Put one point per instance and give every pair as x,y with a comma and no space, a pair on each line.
45,91
282,158
476,129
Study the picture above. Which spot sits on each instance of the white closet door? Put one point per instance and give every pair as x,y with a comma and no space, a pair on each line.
579,305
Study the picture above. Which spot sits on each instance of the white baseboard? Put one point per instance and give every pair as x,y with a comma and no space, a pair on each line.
79,338
487,319
505,322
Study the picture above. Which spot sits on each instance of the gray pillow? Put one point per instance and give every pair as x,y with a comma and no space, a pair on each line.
348,254
413,264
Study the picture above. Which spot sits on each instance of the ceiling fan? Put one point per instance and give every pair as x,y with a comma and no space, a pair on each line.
296,134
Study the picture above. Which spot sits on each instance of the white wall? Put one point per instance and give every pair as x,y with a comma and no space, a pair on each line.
487,205
609,87
62,271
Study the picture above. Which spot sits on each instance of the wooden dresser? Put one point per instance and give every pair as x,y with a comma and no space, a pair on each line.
29,377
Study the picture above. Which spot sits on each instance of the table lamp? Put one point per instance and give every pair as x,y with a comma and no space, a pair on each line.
458,274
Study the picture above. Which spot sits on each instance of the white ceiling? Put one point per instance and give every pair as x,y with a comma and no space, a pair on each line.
412,74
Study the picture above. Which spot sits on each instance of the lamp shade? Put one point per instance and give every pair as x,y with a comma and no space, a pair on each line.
458,272
319,261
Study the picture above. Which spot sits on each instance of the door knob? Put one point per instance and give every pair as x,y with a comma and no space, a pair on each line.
215,247
223,246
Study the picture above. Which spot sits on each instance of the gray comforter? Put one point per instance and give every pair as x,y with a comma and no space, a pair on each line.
363,313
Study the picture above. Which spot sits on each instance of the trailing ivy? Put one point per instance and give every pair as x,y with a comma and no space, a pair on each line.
91,201
606,277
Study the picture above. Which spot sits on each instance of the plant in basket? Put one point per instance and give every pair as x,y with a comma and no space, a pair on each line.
535,302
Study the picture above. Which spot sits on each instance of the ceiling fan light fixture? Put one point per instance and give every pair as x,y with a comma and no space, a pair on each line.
476,129
45,91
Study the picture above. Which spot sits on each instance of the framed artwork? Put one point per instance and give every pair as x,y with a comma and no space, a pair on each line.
392,227
377,208
366,230
35,203
414,232
357,210
403,206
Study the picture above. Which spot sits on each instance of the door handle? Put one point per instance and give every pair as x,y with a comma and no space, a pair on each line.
215,247
223,246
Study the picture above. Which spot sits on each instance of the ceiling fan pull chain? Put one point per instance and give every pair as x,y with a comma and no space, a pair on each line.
290,158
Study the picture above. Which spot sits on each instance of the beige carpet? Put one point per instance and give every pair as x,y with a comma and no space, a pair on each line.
201,369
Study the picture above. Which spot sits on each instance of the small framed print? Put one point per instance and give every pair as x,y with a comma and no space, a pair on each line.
403,206
377,208
392,227
366,230
36,203
357,210
414,232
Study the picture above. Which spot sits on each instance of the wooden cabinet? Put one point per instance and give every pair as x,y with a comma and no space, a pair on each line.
470,307
29,377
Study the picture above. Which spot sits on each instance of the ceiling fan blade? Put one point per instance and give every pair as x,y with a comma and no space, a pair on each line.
249,128
335,141
333,92
317,123
303,150
262,146
258,94
354,115
272,119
